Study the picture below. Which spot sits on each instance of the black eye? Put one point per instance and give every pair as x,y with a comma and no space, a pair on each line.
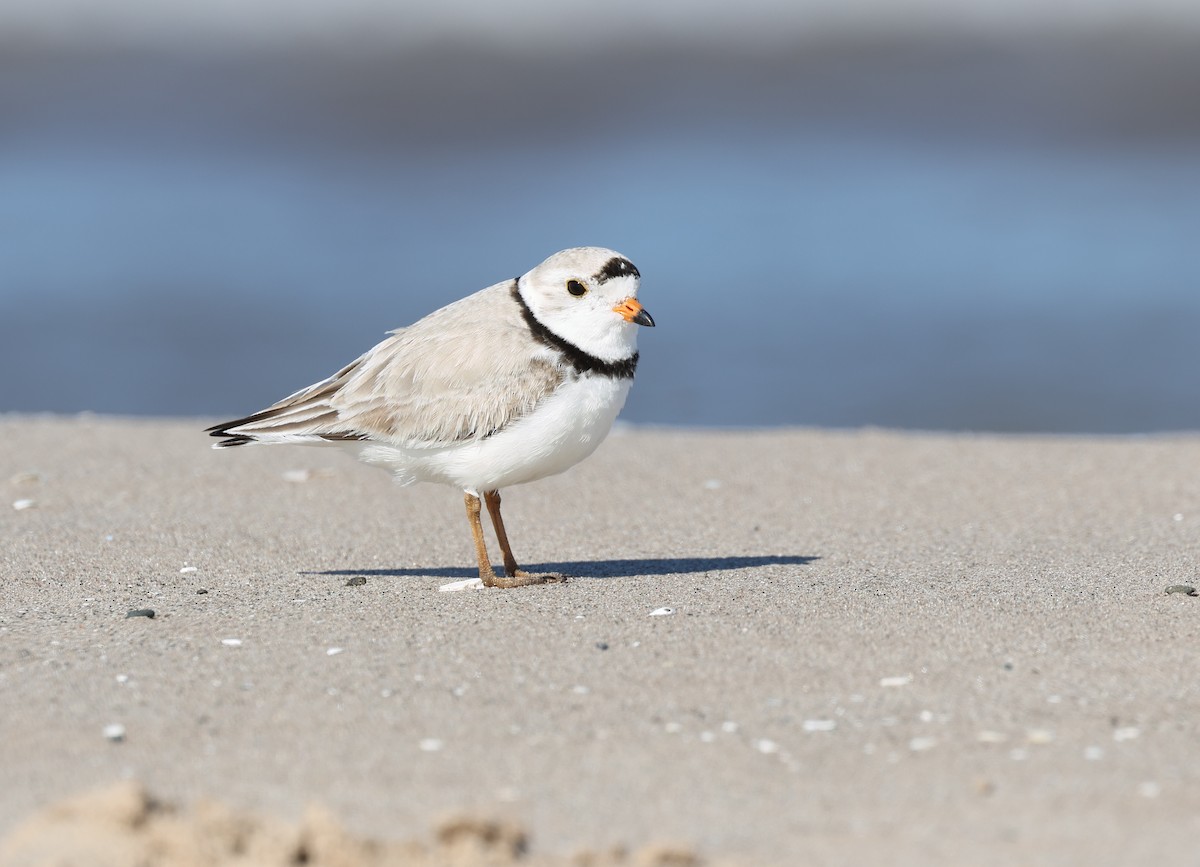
576,288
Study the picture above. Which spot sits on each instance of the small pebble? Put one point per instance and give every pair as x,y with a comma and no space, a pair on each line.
122,678
232,642
902,680
201,591
186,569
729,727
430,745
357,581
662,612
990,737
333,651
766,747
296,476
920,745
602,645
1149,789
22,505
140,612
819,725
1185,589
1128,733
115,732
1039,736
673,728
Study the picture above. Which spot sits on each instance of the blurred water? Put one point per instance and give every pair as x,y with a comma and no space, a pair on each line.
163,250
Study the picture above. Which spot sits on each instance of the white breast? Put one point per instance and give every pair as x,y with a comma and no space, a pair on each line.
562,431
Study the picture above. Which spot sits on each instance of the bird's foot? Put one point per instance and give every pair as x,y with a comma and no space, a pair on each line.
521,578
541,577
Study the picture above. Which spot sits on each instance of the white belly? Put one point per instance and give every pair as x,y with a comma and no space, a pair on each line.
562,431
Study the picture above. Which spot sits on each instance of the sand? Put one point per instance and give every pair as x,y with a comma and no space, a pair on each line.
884,647
123,825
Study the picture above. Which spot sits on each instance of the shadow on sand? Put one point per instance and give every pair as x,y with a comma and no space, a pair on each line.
597,568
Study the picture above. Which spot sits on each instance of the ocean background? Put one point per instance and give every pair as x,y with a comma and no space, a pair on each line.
930,215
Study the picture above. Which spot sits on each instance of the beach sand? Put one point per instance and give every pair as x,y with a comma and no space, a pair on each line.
884,647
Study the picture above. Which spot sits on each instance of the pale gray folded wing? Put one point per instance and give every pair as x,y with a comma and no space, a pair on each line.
461,373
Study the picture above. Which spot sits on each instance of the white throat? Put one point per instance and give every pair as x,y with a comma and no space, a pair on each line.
590,324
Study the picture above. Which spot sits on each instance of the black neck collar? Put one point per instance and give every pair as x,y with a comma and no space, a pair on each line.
582,362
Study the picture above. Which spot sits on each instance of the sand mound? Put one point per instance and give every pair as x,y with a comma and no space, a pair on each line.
123,826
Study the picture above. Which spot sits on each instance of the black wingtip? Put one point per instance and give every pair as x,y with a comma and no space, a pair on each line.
232,441
229,439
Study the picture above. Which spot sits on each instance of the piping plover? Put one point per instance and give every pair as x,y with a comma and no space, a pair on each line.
517,382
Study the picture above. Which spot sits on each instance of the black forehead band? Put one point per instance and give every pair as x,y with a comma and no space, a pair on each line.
617,266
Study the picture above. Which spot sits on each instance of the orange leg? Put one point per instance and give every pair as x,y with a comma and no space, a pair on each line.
511,569
510,562
515,577
486,574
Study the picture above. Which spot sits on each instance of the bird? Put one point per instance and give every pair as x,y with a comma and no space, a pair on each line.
514,383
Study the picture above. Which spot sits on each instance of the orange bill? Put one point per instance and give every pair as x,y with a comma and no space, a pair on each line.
634,312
